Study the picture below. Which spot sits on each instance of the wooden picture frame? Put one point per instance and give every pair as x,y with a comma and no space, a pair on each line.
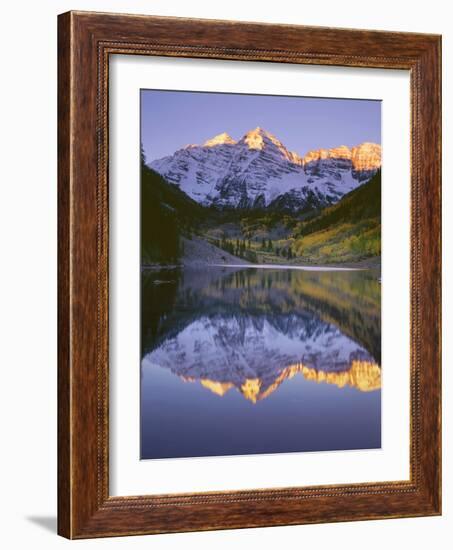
85,42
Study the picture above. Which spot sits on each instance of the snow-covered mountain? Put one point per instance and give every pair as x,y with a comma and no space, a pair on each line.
259,171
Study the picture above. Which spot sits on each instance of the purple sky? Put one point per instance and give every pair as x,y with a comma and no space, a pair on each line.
170,120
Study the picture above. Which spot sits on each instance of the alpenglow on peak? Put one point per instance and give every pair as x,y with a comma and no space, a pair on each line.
254,138
220,139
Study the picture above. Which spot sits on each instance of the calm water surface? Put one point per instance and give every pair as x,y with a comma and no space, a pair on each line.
249,360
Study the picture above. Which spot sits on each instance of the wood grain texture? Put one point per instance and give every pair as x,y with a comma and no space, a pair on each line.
64,425
85,42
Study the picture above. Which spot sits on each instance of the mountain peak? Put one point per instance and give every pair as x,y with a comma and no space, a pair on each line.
257,130
220,139
255,139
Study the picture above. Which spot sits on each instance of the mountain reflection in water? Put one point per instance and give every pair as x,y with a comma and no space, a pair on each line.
362,375
295,345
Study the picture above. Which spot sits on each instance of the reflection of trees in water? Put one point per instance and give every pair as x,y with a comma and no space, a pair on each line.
158,298
172,299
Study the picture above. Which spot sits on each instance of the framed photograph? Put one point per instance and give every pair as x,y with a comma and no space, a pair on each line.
249,275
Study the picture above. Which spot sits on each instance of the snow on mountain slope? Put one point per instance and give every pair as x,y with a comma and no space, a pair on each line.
258,171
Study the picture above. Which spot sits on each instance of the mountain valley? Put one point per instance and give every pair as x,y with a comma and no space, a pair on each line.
256,201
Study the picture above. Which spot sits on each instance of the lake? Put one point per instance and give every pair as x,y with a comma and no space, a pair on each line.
242,360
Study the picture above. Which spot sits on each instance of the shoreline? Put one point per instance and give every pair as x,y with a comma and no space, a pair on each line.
362,265
294,267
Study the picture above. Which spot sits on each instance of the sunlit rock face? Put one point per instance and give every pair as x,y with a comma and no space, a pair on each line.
366,156
254,356
366,160
259,171
338,153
